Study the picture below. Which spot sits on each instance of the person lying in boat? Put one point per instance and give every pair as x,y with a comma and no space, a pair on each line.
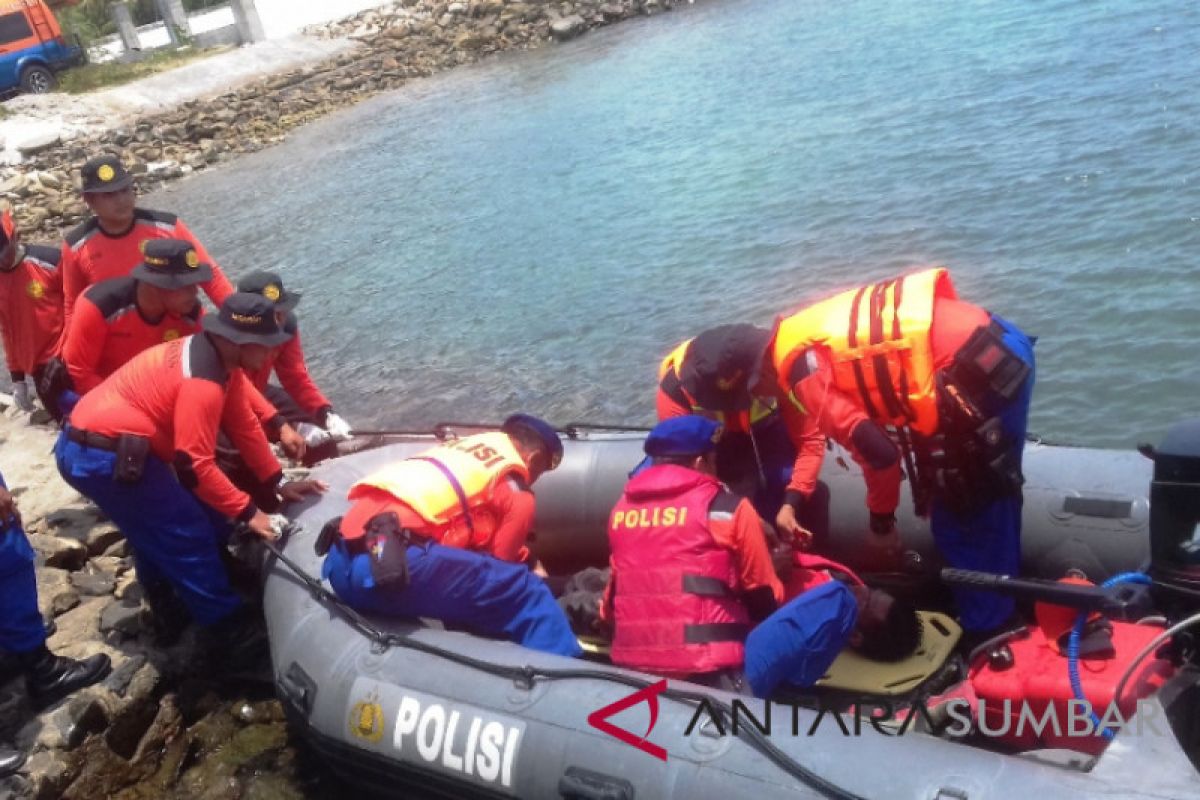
141,447
691,574
443,535
828,609
298,398
954,381
719,374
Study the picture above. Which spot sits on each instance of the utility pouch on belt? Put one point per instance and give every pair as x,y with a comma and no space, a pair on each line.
387,547
131,458
988,371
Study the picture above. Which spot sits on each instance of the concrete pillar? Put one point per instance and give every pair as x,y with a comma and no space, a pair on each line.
175,18
125,26
245,17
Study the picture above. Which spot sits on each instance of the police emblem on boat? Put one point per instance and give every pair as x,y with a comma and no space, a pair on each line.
469,743
366,719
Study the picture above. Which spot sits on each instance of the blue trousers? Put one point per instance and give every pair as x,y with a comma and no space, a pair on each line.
795,645
176,539
457,586
989,538
21,626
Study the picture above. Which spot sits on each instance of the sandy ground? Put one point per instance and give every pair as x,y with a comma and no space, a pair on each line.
28,465
43,117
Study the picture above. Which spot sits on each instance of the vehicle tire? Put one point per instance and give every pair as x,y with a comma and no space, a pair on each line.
37,80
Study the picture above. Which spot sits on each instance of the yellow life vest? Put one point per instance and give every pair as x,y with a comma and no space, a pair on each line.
877,340
736,422
477,463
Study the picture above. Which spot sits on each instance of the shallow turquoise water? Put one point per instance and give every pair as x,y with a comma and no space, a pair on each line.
536,232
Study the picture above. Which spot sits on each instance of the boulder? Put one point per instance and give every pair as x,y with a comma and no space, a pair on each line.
568,27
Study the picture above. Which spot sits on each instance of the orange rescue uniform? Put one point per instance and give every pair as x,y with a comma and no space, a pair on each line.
177,394
289,364
108,329
821,403
500,502
90,255
31,310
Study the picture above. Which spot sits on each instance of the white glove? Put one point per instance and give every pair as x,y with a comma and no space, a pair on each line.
313,435
279,522
23,396
337,427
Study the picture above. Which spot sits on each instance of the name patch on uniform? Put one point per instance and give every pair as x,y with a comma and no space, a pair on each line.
472,744
650,517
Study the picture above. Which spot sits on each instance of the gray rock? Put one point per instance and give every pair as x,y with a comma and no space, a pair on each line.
35,141
100,538
118,682
82,716
568,27
121,617
56,595
118,549
96,584
60,553
612,12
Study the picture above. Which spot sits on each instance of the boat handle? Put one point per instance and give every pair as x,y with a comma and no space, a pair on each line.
578,783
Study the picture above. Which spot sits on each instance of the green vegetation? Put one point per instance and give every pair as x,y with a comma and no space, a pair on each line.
97,76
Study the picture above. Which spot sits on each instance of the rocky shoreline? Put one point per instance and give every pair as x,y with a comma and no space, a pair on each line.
164,723
399,42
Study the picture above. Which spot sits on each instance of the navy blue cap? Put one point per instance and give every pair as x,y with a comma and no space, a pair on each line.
691,435
544,430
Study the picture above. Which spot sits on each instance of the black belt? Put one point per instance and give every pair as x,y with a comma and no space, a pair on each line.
715,632
89,439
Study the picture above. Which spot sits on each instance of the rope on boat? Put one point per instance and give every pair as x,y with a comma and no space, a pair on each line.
525,676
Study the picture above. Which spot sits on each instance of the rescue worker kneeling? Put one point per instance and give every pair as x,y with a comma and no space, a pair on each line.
690,566
692,573
141,447
442,535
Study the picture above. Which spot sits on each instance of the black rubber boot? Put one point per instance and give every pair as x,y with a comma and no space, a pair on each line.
168,617
237,643
50,678
10,761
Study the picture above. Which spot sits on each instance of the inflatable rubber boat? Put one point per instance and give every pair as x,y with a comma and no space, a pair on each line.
407,708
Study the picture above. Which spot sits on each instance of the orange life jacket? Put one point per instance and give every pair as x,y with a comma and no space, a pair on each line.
675,607
734,422
877,339
423,482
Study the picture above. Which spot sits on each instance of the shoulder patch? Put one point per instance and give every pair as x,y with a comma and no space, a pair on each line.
807,364
726,502
44,256
201,360
160,217
82,232
112,296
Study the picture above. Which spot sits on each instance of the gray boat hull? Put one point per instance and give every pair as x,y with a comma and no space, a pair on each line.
407,721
